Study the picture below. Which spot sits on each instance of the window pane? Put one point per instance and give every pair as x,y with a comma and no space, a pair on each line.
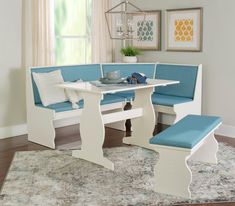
88,50
71,51
71,17
73,31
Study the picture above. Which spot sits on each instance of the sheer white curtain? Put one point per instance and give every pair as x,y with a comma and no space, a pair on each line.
102,47
43,33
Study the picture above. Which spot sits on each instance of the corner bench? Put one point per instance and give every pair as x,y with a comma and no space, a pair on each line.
190,138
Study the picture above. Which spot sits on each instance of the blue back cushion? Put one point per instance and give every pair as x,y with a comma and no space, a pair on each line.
187,75
127,69
88,72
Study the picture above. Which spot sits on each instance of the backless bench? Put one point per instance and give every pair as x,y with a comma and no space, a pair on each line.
190,138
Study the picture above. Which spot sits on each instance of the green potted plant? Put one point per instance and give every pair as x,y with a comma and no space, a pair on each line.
130,54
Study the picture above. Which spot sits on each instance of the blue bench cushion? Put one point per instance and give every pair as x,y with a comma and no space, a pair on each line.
187,132
88,72
127,69
128,95
168,100
66,106
187,75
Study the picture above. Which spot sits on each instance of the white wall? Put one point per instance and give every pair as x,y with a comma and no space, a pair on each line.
12,95
217,57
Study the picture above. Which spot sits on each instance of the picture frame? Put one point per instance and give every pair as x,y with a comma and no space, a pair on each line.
184,29
147,31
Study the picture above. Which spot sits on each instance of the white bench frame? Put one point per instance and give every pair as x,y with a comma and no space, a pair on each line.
42,122
170,115
172,173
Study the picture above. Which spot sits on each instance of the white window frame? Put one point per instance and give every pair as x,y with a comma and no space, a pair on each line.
86,38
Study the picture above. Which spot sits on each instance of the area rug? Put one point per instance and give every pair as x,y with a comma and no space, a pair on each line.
54,178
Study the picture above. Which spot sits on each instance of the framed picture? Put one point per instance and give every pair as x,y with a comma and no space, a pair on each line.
147,29
184,29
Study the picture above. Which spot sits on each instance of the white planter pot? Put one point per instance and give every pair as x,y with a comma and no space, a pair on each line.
129,59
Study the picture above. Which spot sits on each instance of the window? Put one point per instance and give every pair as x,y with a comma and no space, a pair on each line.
73,31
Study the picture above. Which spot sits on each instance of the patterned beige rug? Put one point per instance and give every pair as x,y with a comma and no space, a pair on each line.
54,178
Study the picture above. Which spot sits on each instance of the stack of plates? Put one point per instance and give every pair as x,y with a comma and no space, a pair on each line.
112,81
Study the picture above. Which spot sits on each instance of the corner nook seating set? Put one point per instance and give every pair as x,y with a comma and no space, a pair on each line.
172,93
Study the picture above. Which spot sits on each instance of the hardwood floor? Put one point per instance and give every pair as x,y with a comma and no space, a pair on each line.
70,134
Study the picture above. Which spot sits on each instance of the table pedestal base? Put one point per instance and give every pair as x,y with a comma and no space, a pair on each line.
143,126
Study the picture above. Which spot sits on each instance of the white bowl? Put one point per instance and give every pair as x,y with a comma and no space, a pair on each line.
113,75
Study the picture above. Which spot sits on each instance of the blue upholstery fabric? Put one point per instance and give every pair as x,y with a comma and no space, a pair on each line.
66,106
88,72
127,69
168,100
128,95
159,99
187,132
187,76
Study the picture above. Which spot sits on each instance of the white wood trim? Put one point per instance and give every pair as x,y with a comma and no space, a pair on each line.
196,65
101,70
77,112
123,115
21,129
155,70
12,131
121,63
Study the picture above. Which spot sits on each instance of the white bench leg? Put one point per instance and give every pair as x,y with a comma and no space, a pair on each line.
92,132
172,174
40,128
207,151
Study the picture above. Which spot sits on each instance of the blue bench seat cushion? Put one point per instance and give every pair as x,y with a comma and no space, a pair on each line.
168,100
187,132
128,95
66,106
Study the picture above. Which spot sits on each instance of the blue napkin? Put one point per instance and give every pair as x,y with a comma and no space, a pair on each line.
137,78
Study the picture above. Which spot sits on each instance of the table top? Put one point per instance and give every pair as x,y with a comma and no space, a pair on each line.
98,87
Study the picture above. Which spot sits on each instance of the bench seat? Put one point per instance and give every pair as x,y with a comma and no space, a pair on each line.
190,138
187,132
168,100
67,106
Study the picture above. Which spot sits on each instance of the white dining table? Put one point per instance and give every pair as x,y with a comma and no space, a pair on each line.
92,121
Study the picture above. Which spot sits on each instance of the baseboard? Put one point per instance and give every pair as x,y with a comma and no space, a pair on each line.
6,132
13,131
226,130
